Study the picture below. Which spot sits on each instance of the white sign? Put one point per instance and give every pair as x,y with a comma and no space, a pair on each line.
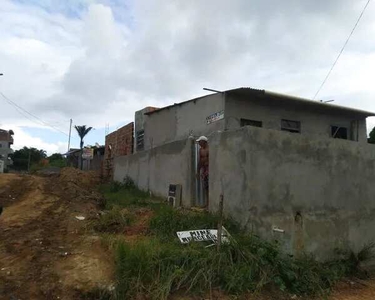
215,117
1,166
88,153
202,235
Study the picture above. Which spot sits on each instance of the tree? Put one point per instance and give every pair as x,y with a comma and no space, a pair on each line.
57,160
82,132
371,139
21,157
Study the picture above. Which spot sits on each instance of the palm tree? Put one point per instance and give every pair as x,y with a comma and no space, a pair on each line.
82,131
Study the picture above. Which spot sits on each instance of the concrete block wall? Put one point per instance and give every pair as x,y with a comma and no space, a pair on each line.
153,170
320,191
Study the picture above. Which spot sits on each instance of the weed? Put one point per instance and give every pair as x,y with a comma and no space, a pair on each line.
114,220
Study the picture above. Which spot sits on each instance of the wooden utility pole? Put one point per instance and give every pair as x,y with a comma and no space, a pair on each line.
220,223
70,133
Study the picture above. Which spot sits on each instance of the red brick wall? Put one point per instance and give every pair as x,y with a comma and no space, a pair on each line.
122,141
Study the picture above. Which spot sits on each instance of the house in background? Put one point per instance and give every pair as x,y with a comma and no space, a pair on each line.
72,157
240,107
92,163
6,141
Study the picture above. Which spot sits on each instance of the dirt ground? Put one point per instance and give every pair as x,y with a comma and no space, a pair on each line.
47,253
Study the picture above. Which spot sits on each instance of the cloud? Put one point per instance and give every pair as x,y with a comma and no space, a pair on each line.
99,61
22,138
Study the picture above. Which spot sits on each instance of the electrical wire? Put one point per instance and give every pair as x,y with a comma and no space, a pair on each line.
342,50
25,113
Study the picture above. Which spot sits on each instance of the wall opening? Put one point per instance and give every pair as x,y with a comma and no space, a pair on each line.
291,126
338,132
140,138
246,122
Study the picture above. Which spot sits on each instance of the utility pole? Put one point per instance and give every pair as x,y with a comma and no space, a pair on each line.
70,133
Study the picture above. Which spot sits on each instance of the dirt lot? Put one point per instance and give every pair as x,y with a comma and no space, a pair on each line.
46,253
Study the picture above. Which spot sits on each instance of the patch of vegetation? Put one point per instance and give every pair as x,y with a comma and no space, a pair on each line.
114,220
168,220
159,266
96,294
126,194
156,269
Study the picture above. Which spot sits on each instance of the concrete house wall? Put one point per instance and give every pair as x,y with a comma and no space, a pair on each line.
179,121
315,120
155,169
318,190
139,122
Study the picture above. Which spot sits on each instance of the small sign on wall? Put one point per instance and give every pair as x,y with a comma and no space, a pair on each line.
215,117
88,153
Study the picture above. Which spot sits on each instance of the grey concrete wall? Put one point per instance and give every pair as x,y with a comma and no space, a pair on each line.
153,170
179,121
314,121
5,150
319,190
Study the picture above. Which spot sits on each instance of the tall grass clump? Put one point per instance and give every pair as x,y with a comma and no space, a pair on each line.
155,269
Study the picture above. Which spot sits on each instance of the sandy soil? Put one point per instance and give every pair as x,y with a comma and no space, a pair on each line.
45,252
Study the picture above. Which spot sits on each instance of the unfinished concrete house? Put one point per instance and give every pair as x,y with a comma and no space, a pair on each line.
291,169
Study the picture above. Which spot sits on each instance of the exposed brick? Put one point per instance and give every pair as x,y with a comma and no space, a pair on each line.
122,141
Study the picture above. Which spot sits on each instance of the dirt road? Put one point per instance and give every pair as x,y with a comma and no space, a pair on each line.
45,252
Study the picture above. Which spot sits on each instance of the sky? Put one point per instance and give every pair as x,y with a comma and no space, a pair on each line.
97,62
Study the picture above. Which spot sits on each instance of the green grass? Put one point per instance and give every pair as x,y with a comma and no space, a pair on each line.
113,221
156,269
118,195
160,265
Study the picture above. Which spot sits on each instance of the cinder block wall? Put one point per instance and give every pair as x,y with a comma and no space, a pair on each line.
153,170
319,191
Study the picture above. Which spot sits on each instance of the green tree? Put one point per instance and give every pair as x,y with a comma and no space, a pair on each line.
21,157
371,139
57,160
82,132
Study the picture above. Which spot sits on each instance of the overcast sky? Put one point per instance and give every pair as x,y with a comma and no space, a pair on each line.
98,61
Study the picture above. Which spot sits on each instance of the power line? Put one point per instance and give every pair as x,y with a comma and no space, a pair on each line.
24,113
342,49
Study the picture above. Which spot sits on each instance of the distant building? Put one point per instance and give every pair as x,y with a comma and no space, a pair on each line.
6,141
94,164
